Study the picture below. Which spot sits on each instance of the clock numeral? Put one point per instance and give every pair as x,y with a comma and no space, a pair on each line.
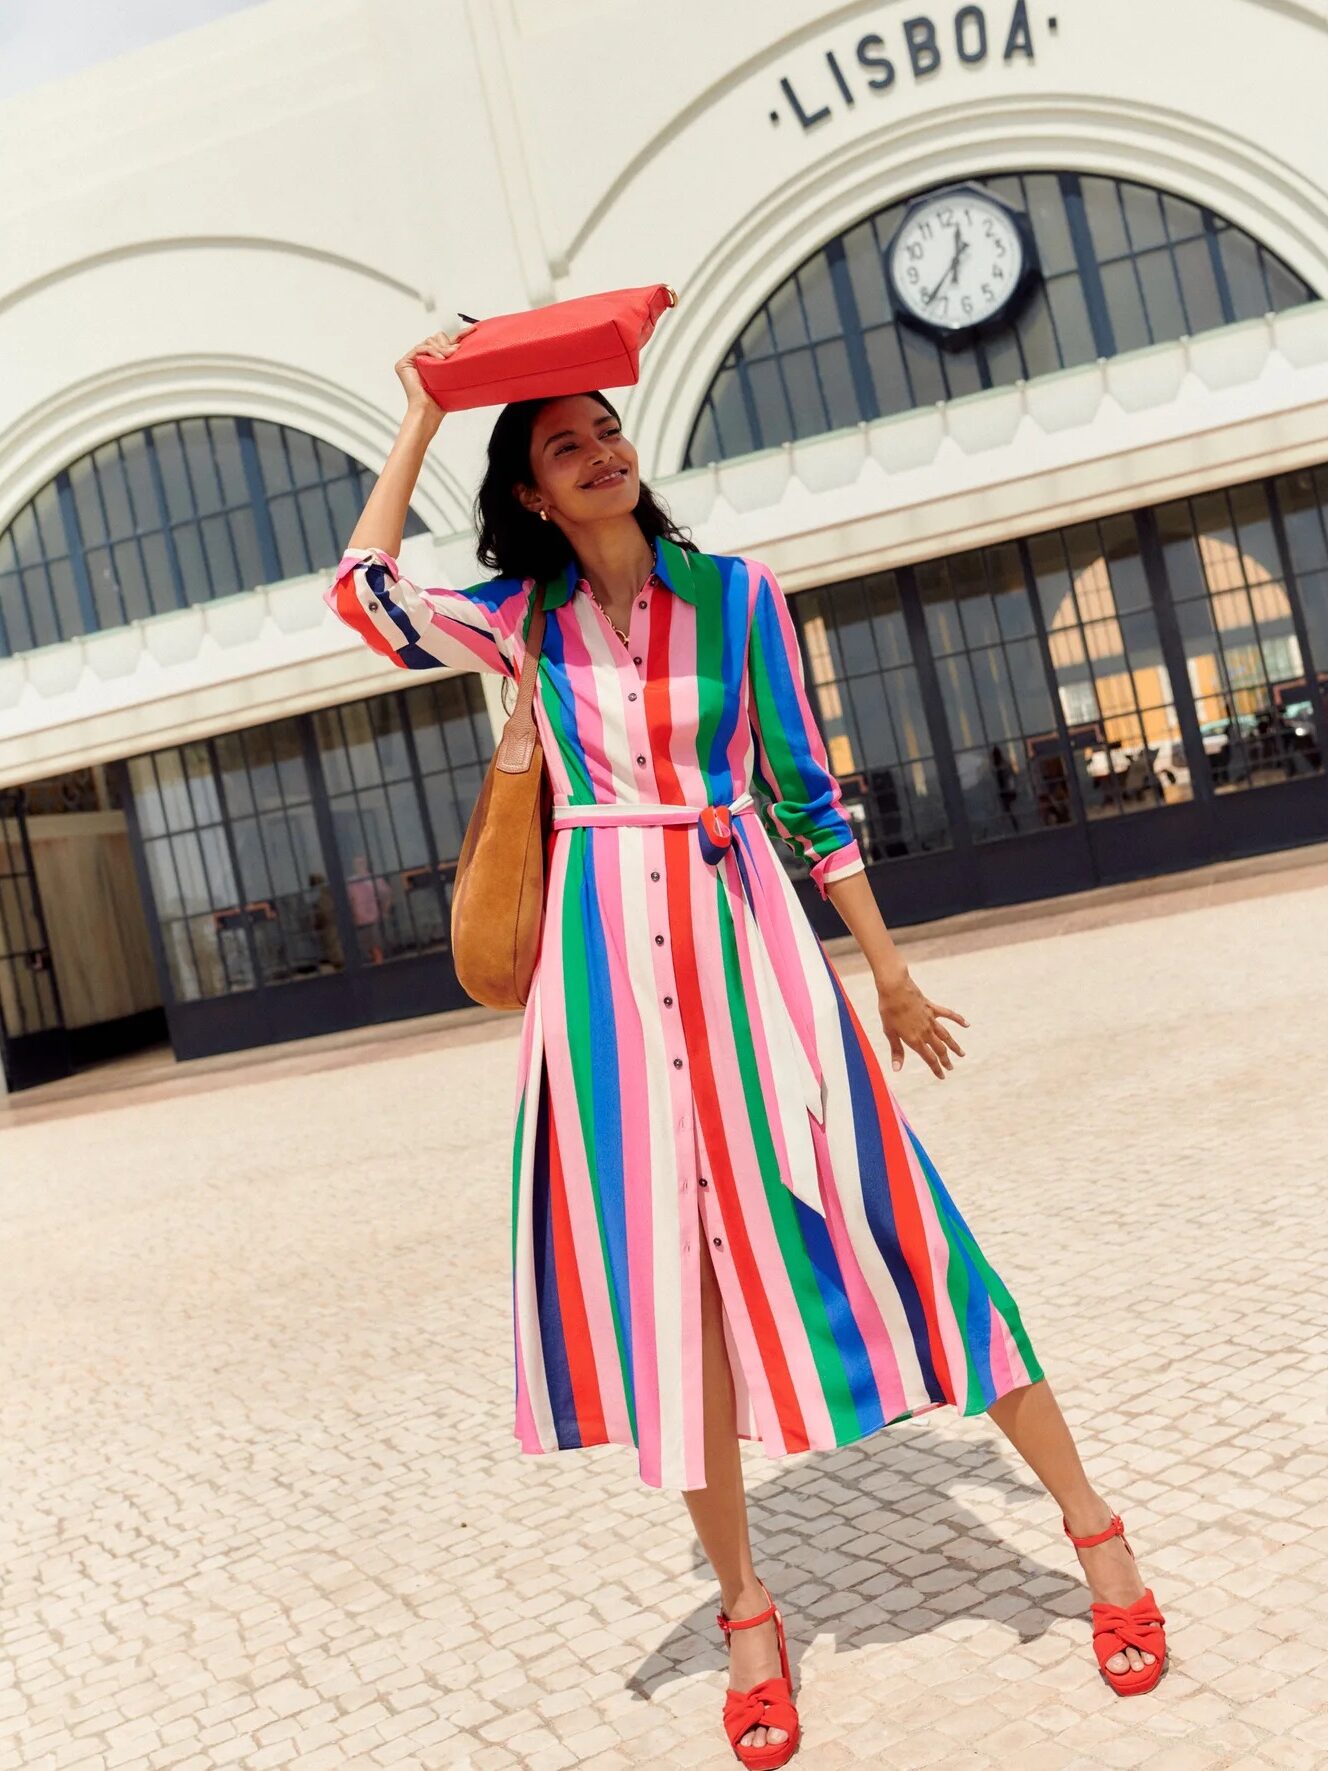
987,294
912,273
945,217
1000,247
914,249
968,304
998,273
924,228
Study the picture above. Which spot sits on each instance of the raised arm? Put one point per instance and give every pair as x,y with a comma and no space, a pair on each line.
418,629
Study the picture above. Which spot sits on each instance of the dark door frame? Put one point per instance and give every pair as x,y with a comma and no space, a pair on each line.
43,1055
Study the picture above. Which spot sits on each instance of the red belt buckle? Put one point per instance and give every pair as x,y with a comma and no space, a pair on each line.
714,832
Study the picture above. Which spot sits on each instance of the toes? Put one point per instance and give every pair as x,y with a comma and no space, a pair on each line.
1130,1660
774,1736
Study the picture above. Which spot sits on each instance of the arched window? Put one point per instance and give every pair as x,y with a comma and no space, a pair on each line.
1123,265
176,514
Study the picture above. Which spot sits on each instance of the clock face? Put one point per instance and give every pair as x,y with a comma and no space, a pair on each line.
957,260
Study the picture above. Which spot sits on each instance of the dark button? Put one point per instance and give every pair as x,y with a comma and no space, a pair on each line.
668,1002
702,1181
677,1063
642,761
642,603
717,1242
659,940
631,695
654,876
373,606
636,660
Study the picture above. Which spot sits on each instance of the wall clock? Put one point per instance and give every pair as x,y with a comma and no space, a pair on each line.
960,260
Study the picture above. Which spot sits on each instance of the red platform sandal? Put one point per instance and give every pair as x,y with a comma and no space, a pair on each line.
767,1705
1116,1627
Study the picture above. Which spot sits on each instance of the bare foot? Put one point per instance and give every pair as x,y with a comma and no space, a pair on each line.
753,1656
1112,1575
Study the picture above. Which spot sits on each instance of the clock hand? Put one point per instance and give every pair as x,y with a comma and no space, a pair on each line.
961,246
931,294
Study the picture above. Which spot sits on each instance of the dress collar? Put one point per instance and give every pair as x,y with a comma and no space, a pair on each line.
673,567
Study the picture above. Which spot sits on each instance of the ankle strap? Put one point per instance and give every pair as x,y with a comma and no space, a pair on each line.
746,1623
1115,1529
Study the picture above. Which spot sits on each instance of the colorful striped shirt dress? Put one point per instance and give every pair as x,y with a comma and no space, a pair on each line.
689,1067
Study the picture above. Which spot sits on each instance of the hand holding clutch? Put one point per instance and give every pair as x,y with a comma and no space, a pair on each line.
569,347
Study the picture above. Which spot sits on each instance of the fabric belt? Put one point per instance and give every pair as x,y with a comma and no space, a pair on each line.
795,1073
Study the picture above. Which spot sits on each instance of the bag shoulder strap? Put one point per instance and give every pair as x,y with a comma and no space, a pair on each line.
516,747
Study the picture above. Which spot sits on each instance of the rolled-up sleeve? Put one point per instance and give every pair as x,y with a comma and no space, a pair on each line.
805,805
475,629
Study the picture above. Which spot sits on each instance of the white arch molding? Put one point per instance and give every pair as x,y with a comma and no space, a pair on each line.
153,390
1238,180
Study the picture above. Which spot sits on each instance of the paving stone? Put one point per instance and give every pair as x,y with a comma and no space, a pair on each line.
263,1507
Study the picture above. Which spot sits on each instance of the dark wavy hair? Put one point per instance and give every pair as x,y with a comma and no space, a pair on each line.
513,540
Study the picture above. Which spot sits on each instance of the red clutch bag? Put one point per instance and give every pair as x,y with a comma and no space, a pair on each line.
569,347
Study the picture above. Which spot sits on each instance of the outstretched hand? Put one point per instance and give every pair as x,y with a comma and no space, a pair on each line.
909,1018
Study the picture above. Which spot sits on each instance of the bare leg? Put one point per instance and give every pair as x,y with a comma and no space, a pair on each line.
719,1512
1032,1421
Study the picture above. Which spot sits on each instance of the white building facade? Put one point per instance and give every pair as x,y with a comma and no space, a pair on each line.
1061,576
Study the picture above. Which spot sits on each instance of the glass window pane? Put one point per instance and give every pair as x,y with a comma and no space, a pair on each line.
818,298
303,460
324,546
223,572
1051,229
143,499
224,435
1183,219
889,378
1037,336
1285,288
1302,506
866,273
64,596
1143,216
87,504
114,490
1074,329
207,494
1125,307
1157,279
773,415
1198,282
169,448
244,541
1105,221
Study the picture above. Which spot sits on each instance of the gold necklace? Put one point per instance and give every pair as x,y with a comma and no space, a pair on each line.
605,613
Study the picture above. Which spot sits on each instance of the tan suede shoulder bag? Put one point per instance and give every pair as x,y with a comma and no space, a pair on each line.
498,888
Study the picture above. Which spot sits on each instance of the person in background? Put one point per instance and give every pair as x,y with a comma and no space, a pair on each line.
369,895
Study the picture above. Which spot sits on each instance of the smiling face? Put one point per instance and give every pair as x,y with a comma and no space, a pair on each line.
583,468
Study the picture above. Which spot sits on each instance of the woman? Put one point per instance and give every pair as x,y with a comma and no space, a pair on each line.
724,1227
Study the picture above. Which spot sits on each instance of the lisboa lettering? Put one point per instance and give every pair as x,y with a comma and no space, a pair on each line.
971,37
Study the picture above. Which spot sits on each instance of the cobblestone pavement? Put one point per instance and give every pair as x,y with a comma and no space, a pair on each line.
261,1505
